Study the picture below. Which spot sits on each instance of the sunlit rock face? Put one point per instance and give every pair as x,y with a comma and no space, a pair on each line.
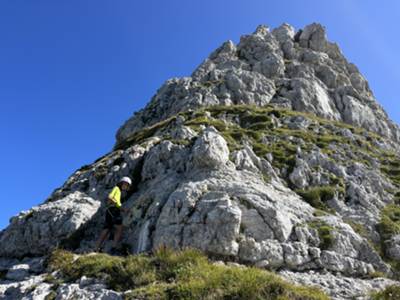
299,70
273,153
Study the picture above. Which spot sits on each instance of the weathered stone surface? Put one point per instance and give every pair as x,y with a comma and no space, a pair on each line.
39,230
337,286
393,247
92,292
10,290
210,150
303,71
18,272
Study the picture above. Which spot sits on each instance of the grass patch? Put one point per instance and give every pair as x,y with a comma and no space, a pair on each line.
143,134
396,198
186,274
389,293
358,228
317,196
51,296
389,224
324,233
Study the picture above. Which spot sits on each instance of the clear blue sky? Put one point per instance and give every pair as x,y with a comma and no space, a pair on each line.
71,72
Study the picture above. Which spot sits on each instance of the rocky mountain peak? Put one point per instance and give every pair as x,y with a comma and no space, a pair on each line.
273,153
300,70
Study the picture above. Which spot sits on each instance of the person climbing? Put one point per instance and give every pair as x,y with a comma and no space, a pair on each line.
113,214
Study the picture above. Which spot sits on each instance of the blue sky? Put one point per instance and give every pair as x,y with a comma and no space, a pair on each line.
71,72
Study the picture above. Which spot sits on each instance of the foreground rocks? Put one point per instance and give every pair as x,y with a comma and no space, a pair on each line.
339,287
39,230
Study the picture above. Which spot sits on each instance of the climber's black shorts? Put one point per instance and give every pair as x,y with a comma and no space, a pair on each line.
113,217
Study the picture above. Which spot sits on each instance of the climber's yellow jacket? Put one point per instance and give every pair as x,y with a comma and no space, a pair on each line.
115,196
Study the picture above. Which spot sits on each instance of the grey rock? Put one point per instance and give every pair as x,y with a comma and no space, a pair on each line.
314,37
269,67
7,263
393,247
18,272
42,228
338,287
40,292
10,290
268,253
210,150
73,291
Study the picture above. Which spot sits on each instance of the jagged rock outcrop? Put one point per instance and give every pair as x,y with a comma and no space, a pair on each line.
41,229
273,153
302,71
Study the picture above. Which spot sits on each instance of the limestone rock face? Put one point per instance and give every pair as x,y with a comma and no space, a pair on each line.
302,71
273,153
41,229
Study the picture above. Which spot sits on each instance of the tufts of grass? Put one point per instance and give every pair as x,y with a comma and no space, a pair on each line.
389,293
154,291
143,134
185,274
204,120
397,198
119,273
324,233
389,224
358,228
51,296
390,166
376,274
317,196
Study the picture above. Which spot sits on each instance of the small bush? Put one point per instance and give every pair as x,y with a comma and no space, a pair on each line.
389,293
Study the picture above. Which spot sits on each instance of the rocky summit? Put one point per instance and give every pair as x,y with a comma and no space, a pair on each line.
274,153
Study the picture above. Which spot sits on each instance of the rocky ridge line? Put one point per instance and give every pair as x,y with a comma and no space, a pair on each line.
297,70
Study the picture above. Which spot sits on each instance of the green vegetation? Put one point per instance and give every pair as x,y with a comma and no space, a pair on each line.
390,166
358,228
317,196
257,126
143,134
397,198
390,221
389,293
389,226
186,274
376,274
324,233
51,296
